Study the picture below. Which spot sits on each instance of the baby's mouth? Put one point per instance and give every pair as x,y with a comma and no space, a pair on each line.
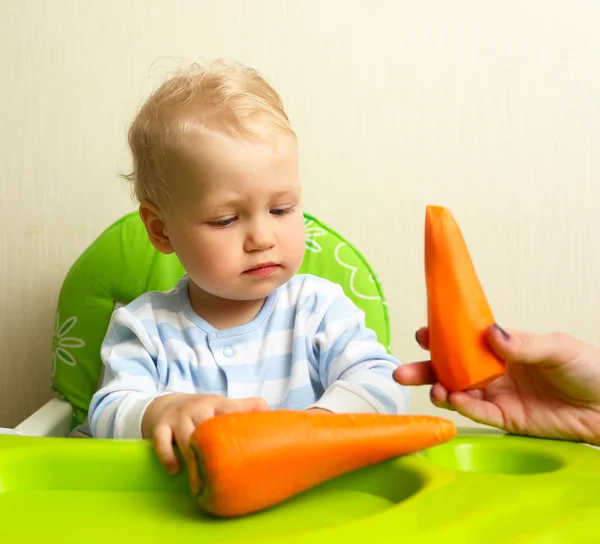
264,269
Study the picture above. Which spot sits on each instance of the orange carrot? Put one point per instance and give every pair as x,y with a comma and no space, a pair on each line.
458,312
245,462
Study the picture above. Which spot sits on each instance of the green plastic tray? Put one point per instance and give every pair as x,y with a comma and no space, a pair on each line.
475,489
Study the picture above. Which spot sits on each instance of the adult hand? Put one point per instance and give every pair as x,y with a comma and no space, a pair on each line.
551,387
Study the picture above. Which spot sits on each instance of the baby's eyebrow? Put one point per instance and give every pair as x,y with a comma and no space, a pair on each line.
285,193
228,203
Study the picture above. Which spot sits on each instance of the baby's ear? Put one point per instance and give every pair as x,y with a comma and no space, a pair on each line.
155,226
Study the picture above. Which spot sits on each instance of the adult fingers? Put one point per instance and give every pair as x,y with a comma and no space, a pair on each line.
422,337
527,348
477,409
415,374
439,397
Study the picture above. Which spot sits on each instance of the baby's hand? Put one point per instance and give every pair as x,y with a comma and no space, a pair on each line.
319,411
177,415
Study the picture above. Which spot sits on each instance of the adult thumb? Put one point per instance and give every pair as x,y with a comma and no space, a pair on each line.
528,348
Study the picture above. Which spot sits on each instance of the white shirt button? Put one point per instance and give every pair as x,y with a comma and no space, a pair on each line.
229,351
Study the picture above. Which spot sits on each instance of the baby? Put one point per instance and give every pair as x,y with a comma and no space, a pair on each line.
216,173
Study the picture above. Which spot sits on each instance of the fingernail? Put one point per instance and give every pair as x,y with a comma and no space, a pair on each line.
502,331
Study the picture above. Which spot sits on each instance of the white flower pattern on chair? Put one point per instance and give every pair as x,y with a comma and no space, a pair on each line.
311,232
354,270
61,344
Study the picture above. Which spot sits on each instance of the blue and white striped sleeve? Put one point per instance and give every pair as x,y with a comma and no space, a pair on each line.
131,380
354,368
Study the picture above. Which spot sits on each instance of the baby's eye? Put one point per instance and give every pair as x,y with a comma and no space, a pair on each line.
223,222
281,211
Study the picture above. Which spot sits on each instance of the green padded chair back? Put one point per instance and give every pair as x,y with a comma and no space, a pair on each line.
121,265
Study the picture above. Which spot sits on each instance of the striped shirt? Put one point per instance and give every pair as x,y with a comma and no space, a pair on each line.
307,347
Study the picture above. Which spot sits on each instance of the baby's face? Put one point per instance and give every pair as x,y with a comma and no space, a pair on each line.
236,220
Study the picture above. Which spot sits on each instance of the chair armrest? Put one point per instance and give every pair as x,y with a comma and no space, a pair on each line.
52,419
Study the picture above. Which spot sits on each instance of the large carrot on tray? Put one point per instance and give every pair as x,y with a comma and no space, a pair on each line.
458,312
245,462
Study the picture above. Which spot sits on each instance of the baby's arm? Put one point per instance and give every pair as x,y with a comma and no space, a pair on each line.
354,368
132,401
131,379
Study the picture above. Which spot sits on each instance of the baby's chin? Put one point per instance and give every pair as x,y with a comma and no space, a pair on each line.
259,289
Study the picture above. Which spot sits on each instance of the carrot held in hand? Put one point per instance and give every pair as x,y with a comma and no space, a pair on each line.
458,312
248,461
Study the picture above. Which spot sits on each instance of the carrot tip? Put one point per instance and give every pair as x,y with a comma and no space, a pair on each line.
457,309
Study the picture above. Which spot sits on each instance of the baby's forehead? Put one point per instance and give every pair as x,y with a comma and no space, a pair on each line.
207,148
216,165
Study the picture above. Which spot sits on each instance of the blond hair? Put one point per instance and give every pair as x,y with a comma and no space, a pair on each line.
223,95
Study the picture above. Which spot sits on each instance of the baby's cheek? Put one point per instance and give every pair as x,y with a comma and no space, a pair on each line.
295,229
295,251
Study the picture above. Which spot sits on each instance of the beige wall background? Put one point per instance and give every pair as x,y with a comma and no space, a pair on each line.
489,108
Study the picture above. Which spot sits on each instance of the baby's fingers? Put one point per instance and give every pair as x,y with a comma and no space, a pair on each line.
256,404
162,439
253,404
183,432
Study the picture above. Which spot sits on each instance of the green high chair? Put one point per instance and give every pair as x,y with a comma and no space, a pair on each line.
482,487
